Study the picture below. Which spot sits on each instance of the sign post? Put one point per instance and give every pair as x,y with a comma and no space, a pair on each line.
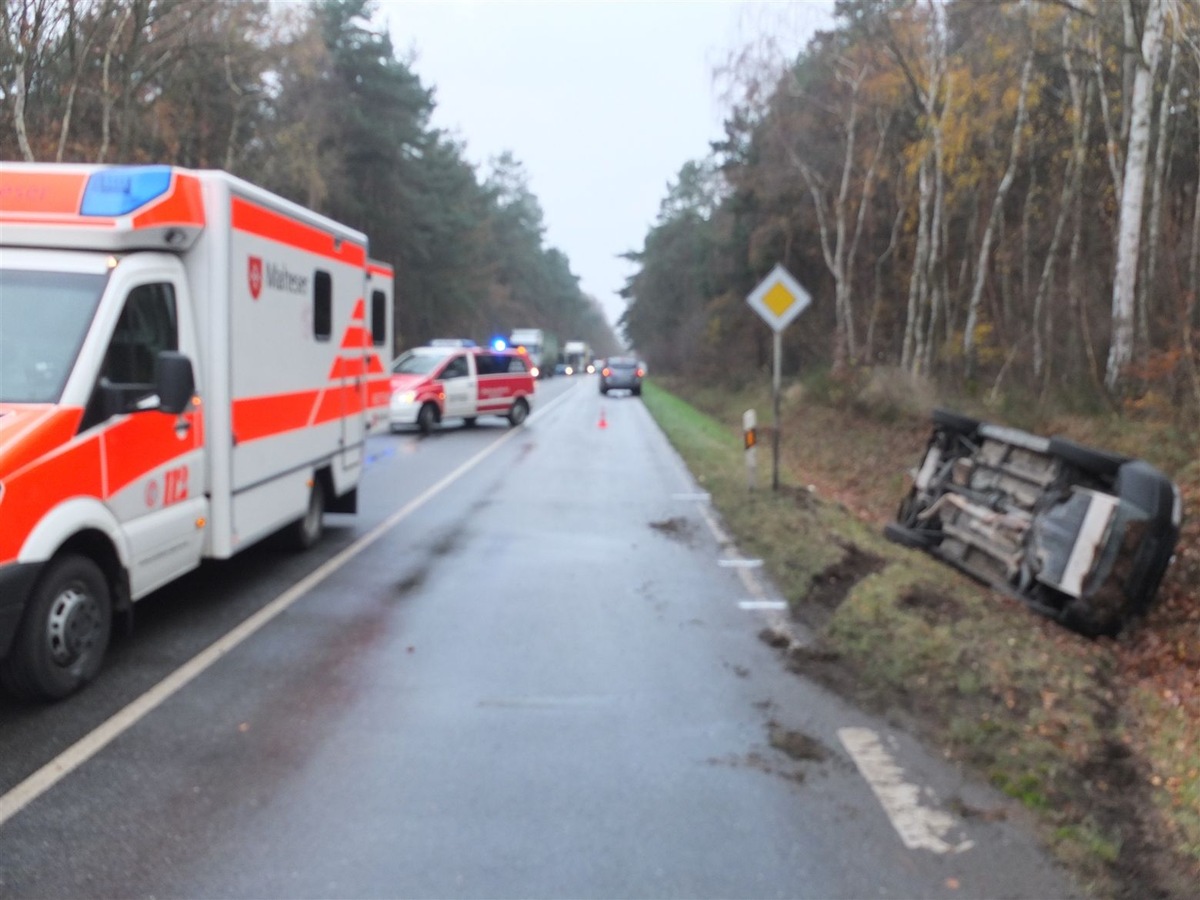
750,439
779,298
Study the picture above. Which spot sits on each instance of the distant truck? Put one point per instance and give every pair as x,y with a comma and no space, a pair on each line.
541,347
188,364
577,356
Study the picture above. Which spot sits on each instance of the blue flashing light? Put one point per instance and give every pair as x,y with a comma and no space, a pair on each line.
499,344
121,190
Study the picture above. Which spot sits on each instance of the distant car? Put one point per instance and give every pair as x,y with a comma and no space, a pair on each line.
431,384
622,373
1079,534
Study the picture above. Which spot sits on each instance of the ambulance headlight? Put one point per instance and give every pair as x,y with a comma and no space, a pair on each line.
403,398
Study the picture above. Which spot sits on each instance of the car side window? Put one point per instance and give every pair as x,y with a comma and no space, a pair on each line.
456,368
516,365
489,363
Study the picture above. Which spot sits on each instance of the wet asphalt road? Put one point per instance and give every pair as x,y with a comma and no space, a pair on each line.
521,671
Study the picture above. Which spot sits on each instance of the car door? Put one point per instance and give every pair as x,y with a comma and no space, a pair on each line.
459,385
152,461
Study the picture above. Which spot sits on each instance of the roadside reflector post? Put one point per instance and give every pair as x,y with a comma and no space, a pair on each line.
778,299
750,440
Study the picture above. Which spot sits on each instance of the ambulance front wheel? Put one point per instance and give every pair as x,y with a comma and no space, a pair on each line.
307,530
63,636
427,418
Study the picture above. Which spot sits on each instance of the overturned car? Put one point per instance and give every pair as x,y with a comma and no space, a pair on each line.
1079,534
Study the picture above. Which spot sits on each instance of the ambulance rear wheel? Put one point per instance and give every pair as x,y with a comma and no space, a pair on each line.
518,413
64,633
307,530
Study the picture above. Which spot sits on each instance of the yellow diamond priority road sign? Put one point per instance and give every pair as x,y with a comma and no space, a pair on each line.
779,298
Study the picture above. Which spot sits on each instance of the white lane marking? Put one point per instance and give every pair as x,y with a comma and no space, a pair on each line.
762,604
96,740
701,498
919,827
740,563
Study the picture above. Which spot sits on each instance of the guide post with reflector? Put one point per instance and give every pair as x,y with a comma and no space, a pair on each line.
779,298
750,440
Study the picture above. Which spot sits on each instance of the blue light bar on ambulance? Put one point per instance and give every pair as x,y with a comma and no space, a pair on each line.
121,190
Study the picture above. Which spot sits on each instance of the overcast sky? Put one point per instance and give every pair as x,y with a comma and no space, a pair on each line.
602,102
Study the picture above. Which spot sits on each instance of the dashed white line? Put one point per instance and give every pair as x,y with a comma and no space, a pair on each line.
740,563
763,604
919,827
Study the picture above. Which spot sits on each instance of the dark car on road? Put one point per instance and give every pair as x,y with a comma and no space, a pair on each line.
1080,534
622,373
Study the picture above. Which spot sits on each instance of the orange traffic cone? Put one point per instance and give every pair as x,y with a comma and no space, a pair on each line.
603,422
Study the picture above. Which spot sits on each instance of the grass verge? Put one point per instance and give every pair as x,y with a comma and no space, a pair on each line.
1040,712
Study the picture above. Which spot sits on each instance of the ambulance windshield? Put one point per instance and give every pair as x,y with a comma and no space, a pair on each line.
43,319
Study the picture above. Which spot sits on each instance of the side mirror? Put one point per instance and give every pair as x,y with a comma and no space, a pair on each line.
174,381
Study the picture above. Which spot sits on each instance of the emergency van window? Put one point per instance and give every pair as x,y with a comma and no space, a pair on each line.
516,364
456,368
378,318
322,306
488,364
44,317
147,326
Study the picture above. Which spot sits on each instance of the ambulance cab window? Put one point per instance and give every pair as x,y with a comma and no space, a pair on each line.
322,306
378,318
147,326
456,368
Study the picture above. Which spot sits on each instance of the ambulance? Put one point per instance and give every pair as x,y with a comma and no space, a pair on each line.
188,364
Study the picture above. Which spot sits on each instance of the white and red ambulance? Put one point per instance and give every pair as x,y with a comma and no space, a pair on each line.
188,363
450,380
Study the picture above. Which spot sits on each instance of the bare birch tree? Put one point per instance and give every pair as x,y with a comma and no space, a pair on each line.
985,248
1129,229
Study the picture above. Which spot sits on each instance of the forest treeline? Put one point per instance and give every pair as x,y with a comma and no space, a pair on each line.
310,101
1000,195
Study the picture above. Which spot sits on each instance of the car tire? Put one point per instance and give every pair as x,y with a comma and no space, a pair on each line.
469,421
1100,463
637,392
64,633
427,418
603,391
956,423
306,531
518,413
907,537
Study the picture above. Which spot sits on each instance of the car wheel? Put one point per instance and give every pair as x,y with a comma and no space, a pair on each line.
948,420
603,390
307,530
907,537
637,392
64,633
469,421
427,418
518,413
1095,462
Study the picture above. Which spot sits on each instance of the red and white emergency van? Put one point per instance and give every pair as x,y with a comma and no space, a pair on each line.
188,363
445,381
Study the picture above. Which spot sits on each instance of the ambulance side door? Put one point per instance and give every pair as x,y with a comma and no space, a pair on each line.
460,384
153,473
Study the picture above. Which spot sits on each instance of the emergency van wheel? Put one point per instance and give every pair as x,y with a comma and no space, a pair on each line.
427,418
307,530
63,635
516,415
